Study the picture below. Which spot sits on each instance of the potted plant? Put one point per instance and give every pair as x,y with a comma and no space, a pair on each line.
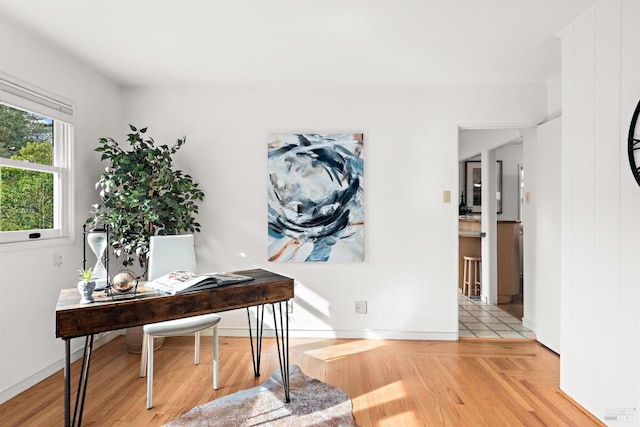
143,195
86,285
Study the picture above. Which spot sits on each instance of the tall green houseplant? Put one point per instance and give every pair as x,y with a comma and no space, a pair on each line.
142,195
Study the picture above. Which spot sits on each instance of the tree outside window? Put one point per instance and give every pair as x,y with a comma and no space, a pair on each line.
26,196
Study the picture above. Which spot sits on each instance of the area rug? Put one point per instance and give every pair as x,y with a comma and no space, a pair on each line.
313,403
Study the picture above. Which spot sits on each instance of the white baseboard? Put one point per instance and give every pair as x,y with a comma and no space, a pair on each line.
13,391
529,324
304,333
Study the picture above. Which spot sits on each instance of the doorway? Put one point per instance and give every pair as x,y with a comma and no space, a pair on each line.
499,315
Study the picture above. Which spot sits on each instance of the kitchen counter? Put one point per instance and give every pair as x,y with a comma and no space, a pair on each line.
466,233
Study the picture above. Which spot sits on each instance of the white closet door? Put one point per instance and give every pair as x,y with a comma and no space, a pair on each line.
548,217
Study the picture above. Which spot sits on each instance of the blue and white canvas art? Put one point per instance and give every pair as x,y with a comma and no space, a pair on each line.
316,202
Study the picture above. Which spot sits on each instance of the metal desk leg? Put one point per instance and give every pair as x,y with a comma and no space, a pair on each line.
255,355
67,383
282,341
281,322
82,382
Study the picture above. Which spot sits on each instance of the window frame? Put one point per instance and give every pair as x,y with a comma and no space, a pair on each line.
23,96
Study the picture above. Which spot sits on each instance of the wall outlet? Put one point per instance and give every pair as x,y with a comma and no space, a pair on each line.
361,307
290,306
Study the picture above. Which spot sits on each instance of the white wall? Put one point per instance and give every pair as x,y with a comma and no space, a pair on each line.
601,201
410,269
29,280
474,141
554,97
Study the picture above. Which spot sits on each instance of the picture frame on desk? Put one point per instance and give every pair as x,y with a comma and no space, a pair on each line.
473,185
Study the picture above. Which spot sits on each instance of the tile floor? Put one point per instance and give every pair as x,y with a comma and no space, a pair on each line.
480,320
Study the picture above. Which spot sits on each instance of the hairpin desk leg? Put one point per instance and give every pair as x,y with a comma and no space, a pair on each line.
84,378
67,382
82,382
281,326
282,342
255,354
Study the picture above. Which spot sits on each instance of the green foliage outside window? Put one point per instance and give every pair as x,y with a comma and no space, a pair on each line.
26,196
17,128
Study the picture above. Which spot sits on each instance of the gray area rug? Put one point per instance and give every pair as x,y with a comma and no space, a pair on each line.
313,403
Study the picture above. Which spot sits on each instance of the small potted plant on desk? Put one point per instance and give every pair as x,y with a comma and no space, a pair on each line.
86,285
143,195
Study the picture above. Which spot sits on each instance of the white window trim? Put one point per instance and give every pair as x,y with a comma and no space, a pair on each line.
23,96
20,164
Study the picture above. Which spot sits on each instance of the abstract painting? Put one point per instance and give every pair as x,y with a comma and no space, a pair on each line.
315,200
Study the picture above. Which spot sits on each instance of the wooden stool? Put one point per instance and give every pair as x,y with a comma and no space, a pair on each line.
471,276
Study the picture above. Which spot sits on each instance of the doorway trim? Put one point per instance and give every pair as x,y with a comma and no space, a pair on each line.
517,130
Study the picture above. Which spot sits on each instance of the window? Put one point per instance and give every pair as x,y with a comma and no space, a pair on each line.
36,146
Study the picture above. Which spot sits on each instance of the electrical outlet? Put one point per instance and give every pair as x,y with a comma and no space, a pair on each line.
361,307
290,306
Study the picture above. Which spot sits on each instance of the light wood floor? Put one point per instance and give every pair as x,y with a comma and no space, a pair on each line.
391,383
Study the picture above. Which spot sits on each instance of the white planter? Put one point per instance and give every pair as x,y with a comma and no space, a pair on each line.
86,291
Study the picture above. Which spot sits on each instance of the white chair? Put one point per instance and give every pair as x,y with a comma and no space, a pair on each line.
167,254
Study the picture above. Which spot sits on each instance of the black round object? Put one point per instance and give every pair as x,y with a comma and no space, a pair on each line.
633,145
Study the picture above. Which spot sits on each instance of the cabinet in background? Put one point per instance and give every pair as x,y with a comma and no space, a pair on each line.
508,260
509,253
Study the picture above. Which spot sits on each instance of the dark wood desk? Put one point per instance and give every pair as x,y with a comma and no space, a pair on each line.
76,320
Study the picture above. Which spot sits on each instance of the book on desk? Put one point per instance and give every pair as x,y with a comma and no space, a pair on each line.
180,282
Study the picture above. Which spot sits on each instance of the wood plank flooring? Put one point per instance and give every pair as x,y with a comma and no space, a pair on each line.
391,383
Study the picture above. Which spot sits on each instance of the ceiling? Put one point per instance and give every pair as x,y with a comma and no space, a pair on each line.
250,43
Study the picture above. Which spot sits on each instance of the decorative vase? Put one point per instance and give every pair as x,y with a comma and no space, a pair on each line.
86,290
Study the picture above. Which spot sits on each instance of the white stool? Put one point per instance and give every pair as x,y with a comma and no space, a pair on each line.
177,327
471,276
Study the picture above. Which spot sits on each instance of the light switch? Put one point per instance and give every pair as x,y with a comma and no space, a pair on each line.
527,197
446,196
